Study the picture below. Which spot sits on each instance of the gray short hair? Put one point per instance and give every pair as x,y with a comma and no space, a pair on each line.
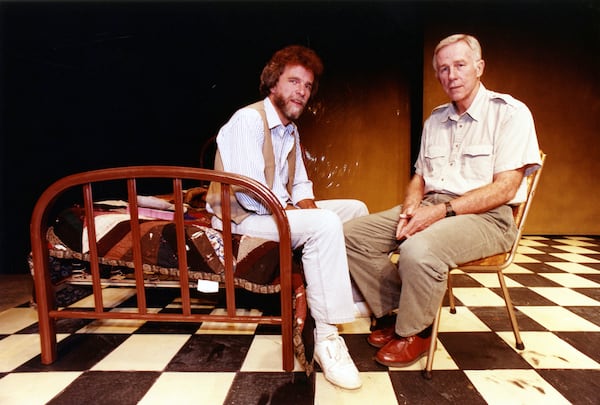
470,40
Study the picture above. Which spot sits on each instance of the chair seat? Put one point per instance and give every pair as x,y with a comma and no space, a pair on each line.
496,260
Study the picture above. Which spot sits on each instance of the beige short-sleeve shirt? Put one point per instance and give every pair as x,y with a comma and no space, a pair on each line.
460,153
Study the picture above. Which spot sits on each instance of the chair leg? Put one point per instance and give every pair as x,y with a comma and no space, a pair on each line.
511,312
434,333
451,294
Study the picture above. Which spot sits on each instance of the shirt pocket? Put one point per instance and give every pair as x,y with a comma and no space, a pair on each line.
478,162
435,158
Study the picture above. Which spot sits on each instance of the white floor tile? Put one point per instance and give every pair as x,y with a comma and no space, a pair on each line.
195,303
580,249
15,319
34,388
189,388
265,355
502,387
377,388
545,350
565,296
528,241
18,349
490,280
516,269
477,297
111,297
462,321
575,258
125,326
530,248
558,319
521,258
577,241
575,268
229,328
143,353
570,280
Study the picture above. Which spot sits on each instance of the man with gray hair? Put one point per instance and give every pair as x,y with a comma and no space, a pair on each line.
474,156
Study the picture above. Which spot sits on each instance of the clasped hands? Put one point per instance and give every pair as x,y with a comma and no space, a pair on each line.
416,218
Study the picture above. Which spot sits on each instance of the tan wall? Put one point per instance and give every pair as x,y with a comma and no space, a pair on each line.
358,134
357,139
555,72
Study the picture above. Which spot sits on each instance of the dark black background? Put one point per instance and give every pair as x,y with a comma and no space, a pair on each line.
89,85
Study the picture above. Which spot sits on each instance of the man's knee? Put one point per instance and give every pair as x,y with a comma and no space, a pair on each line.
418,257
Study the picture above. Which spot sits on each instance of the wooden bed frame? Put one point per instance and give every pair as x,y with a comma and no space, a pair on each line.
48,313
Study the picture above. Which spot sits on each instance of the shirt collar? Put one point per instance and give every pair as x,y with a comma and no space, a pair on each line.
474,111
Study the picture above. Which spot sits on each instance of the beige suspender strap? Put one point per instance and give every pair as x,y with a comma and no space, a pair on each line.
268,154
267,148
238,213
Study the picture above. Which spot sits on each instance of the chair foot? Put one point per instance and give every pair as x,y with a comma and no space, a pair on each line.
520,346
426,374
452,310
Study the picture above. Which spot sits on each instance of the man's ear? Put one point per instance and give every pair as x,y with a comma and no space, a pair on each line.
480,66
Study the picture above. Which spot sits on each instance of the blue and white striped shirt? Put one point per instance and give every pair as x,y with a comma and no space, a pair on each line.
240,143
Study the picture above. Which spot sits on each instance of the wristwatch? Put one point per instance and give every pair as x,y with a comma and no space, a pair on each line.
449,210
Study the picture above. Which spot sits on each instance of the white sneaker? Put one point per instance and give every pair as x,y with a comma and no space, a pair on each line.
334,359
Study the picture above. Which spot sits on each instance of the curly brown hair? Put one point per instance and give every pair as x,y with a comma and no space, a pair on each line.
290,55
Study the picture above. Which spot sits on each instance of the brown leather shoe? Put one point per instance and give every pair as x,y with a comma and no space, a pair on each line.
380,337
403,351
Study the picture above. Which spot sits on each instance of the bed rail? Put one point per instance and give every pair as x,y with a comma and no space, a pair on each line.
47,311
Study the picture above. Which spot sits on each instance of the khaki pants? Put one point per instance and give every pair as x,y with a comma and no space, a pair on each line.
416,286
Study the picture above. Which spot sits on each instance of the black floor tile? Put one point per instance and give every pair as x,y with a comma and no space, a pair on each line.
63,325
588,313
362,353
107,388
587,343
481,351
77,352
272,388
463,280
541,267
577,386
542,257
212,353
525,297
531,280
496,318
445,387
593,293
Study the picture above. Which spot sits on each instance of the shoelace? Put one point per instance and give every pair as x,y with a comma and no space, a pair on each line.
340,351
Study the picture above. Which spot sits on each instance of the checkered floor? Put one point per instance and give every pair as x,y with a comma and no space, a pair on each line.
555,285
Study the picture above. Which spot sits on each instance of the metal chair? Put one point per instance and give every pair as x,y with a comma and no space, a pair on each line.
495,264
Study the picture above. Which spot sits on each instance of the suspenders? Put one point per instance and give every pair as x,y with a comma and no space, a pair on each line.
238,213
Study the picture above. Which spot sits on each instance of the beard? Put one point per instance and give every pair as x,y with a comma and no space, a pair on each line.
290,110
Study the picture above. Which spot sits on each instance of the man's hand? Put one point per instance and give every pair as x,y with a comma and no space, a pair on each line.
419,219
307,204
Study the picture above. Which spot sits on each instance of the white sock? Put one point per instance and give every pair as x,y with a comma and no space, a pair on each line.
323,330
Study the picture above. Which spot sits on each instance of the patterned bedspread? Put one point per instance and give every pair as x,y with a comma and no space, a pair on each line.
256,261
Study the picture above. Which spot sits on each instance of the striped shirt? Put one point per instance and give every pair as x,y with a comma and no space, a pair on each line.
240,143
